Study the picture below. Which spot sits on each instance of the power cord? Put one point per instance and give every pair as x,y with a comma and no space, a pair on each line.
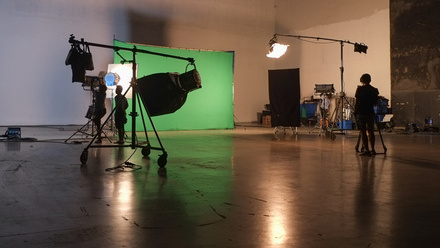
127,164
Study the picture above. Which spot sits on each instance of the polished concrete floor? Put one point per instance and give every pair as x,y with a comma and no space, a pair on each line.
245,187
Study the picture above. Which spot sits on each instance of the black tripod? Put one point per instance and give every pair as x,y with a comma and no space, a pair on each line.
146,149
380,135
343,111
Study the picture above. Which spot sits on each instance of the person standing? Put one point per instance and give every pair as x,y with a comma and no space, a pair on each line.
325,108
120,115
99,108
366,97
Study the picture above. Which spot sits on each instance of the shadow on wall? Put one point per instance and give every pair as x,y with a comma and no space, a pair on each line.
148,30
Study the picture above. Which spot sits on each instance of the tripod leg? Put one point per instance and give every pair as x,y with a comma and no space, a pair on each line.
333,120
80,131
106,136
358,142
380,135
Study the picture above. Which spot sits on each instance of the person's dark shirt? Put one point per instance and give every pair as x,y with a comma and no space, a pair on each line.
366,98
123,104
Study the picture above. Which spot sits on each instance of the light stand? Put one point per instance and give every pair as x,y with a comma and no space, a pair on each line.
358,47
162,161
89,114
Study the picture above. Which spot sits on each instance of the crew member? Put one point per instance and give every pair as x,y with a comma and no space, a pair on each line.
325,108
366,97
120,115
99,110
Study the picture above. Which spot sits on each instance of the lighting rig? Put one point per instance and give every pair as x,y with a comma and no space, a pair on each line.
163,93
277,50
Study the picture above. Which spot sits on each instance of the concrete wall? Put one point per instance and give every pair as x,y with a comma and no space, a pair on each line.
36,85
415,62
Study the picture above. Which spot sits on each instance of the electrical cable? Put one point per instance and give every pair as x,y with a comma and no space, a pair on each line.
126,163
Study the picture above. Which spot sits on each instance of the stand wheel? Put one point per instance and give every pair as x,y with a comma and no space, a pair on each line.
356,148
333,136
146,151
162,161
84,156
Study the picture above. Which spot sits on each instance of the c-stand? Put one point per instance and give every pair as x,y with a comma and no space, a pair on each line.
338,114
361,48
162,161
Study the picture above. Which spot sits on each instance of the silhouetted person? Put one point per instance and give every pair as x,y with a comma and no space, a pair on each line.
120,115
99,109
366,97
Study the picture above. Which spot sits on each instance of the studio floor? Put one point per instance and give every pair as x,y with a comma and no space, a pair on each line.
246,187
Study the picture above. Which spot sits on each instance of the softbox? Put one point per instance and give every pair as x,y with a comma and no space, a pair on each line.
165,93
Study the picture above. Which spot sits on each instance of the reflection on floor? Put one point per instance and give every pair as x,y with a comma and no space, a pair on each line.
221,188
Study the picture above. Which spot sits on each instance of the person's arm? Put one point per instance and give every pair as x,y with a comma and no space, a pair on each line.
356,103
376,96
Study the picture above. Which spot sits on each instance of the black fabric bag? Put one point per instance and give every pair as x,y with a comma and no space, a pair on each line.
80,60
75,60
88,59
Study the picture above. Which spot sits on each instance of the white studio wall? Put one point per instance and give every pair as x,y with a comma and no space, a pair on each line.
38,84
320,61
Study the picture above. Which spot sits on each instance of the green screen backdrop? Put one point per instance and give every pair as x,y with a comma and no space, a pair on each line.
210,107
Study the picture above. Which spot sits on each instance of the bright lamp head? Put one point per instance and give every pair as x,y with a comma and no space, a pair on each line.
276,49
111,79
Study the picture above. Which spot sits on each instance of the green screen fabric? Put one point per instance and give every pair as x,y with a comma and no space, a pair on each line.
210,107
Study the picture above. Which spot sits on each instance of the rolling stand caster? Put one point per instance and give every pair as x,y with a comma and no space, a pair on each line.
162,161
146,151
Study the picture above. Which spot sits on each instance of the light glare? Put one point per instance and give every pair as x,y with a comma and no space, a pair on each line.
277,50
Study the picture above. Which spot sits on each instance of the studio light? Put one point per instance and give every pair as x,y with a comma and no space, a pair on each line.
125,73
172,89
111,79
277,50
92,82
360,48
165,93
